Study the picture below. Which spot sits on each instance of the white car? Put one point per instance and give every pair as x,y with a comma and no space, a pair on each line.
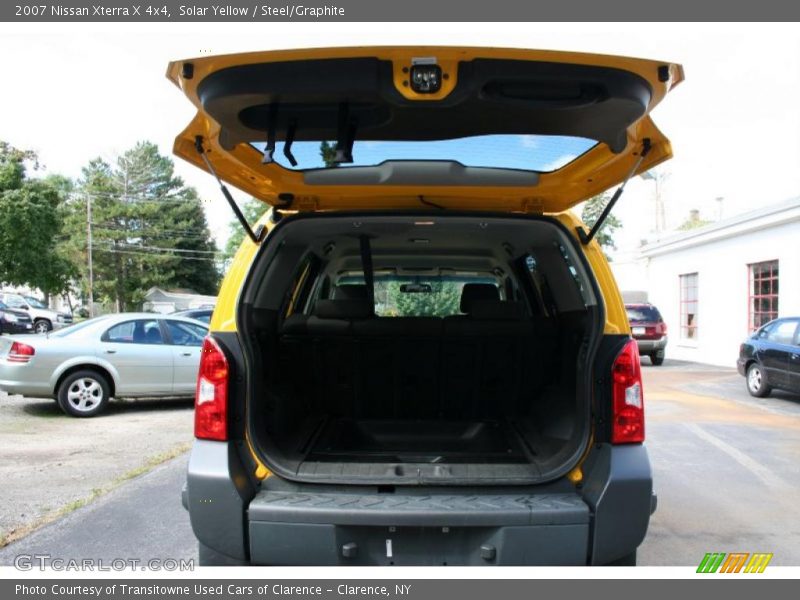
124,355
44,319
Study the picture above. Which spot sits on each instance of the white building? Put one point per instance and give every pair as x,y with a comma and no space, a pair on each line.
716,284
167,301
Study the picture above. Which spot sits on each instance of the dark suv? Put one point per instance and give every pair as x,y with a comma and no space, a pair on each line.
649,330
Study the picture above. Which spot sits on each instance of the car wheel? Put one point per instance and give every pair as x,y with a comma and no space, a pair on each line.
757,381
42,326
83,394
657,359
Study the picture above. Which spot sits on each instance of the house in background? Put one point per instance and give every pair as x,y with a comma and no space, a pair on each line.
716,284
167,301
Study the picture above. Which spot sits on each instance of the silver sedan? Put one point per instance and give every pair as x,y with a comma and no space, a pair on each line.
124,355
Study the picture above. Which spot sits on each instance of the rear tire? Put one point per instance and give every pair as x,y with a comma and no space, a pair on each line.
756,381
657,359
208,557
41,326
83,394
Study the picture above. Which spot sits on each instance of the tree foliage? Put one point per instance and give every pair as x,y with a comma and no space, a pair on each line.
31,212
592,211
443,299
148,228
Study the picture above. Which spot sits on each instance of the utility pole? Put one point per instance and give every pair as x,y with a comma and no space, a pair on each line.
89,252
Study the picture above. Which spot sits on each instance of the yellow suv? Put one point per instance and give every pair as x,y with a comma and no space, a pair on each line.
419,354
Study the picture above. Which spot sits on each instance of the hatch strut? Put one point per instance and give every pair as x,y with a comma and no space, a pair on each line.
198,144
366,264
586,238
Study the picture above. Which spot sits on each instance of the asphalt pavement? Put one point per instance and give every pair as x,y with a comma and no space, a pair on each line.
725,470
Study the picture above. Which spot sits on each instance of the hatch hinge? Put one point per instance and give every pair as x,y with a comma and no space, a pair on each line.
256,237
586,238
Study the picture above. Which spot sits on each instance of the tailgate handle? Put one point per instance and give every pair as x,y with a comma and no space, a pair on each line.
111,351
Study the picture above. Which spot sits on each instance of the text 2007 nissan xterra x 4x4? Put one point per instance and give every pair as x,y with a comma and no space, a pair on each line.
419,355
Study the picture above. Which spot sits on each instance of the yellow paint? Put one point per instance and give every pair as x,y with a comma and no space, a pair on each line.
585,177
590,174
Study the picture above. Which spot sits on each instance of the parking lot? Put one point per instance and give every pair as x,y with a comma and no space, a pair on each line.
725,473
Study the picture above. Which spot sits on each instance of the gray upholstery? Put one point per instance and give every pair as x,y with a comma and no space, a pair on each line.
473,292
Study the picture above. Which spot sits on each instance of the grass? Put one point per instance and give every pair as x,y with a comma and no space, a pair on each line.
53,515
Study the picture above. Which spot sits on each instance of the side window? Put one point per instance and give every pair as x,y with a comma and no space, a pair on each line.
783,332
142,331
298,293
185,334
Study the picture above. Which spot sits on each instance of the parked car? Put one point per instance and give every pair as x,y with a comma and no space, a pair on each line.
770,358
43,318
421,357
649,330
14,321
199,314
123,355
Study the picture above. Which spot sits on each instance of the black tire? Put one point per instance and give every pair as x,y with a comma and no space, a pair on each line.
42,326
83,394
208,557
657,359
629,560
756,381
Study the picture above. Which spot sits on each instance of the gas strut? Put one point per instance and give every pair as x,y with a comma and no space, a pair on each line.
586,238
198,144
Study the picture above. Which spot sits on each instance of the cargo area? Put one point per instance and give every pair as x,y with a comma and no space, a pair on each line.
403,350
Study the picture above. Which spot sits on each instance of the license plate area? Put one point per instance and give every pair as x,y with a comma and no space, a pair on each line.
315,544
638,330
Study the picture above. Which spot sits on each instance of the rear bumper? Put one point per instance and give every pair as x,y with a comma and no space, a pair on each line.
651,346
6,327
309,524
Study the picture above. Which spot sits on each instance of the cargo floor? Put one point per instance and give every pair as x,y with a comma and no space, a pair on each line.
417,441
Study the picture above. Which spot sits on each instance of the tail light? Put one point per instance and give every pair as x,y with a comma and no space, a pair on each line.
20,352
211,398
628,398
661,328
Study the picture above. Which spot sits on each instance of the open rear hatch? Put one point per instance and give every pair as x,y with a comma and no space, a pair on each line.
471,128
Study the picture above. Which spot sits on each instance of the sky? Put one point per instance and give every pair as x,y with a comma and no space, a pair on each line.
73,92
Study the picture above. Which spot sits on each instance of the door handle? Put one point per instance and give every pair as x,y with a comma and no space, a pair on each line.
111,351
186,353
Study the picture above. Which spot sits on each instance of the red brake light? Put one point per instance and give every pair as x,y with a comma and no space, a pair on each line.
628,398
211,398
661,328
20,352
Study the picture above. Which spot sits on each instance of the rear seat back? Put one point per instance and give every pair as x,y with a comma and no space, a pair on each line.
479,365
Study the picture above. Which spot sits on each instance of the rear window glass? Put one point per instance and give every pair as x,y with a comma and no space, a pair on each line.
643,314
542,153
418,296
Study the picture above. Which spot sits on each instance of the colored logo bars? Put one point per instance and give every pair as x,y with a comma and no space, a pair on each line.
735,562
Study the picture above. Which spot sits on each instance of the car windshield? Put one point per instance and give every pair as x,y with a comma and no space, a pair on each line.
542,153
34,302
74,329
643,314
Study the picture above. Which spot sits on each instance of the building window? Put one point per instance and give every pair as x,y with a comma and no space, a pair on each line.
689,306
762,302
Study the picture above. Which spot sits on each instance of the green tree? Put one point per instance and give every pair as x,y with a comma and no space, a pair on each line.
252,210
148,228
592,211
443,300
327,150
31,213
